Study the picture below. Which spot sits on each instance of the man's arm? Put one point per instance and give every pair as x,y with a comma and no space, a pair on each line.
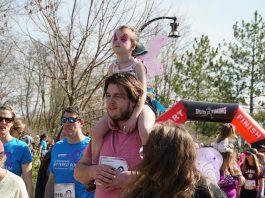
27,177
85,172
49,189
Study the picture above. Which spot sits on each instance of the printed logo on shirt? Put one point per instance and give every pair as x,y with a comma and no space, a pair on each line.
9,164
67,161
62,155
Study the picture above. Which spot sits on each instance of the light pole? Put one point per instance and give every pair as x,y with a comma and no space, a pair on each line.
173,34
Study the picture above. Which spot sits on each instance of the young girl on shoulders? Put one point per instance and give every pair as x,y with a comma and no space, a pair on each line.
225,139
124,42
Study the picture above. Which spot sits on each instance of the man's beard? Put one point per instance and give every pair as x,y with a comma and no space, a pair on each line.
123,117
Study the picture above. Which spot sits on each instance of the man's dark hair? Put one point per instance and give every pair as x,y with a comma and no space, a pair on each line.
72,109
132,86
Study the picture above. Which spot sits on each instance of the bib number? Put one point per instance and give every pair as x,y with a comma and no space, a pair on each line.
115,162
250,184
64,190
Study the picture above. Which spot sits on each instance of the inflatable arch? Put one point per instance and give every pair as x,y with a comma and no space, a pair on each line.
244,124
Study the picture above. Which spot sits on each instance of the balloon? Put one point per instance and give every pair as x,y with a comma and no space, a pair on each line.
209,162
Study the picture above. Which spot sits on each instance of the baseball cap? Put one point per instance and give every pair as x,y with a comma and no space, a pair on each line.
2,149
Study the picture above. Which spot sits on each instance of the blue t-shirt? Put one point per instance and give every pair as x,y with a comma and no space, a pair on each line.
17,153
43,143
64,158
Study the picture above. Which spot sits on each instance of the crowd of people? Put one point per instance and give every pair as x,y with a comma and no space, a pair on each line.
242,174
128,154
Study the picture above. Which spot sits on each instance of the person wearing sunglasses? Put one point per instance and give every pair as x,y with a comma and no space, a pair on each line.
17,129
19,159
253,173
119,153
64,156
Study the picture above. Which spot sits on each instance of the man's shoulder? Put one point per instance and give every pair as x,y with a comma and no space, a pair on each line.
61,142
17,142
13,176
86,140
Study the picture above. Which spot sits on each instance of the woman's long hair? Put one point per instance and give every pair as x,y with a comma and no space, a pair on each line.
229,163
168,165
256,166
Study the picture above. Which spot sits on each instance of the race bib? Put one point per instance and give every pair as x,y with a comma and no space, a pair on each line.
115,162
64,190
250,184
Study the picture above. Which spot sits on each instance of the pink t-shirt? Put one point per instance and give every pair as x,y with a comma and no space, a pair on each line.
120,145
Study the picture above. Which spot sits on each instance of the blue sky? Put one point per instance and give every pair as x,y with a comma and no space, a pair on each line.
216,17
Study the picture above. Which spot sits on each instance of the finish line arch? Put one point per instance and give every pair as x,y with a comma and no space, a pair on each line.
232,113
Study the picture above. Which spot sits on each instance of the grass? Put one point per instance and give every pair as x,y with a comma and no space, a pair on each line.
35,169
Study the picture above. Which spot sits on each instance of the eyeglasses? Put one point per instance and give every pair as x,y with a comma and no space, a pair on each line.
7,120
70,120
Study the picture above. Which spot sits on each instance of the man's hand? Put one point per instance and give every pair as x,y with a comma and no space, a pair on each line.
121,180
104,174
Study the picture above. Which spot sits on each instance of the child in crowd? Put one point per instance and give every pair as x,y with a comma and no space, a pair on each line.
125,41
225,139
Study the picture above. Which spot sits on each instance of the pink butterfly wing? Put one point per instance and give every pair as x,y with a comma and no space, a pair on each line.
154,46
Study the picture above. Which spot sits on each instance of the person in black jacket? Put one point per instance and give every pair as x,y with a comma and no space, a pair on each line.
43,173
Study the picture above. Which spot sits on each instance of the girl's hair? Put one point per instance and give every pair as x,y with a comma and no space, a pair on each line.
168,166
229,163
256,166
226,131
134,37
19,127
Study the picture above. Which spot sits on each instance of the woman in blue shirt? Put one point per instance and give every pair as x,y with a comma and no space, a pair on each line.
43,146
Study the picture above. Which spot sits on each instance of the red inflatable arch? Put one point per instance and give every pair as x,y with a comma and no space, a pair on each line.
244,124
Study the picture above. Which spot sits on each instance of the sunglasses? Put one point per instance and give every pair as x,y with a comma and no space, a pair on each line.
7,120
70,120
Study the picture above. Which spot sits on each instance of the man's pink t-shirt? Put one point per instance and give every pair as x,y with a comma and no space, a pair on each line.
120,145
